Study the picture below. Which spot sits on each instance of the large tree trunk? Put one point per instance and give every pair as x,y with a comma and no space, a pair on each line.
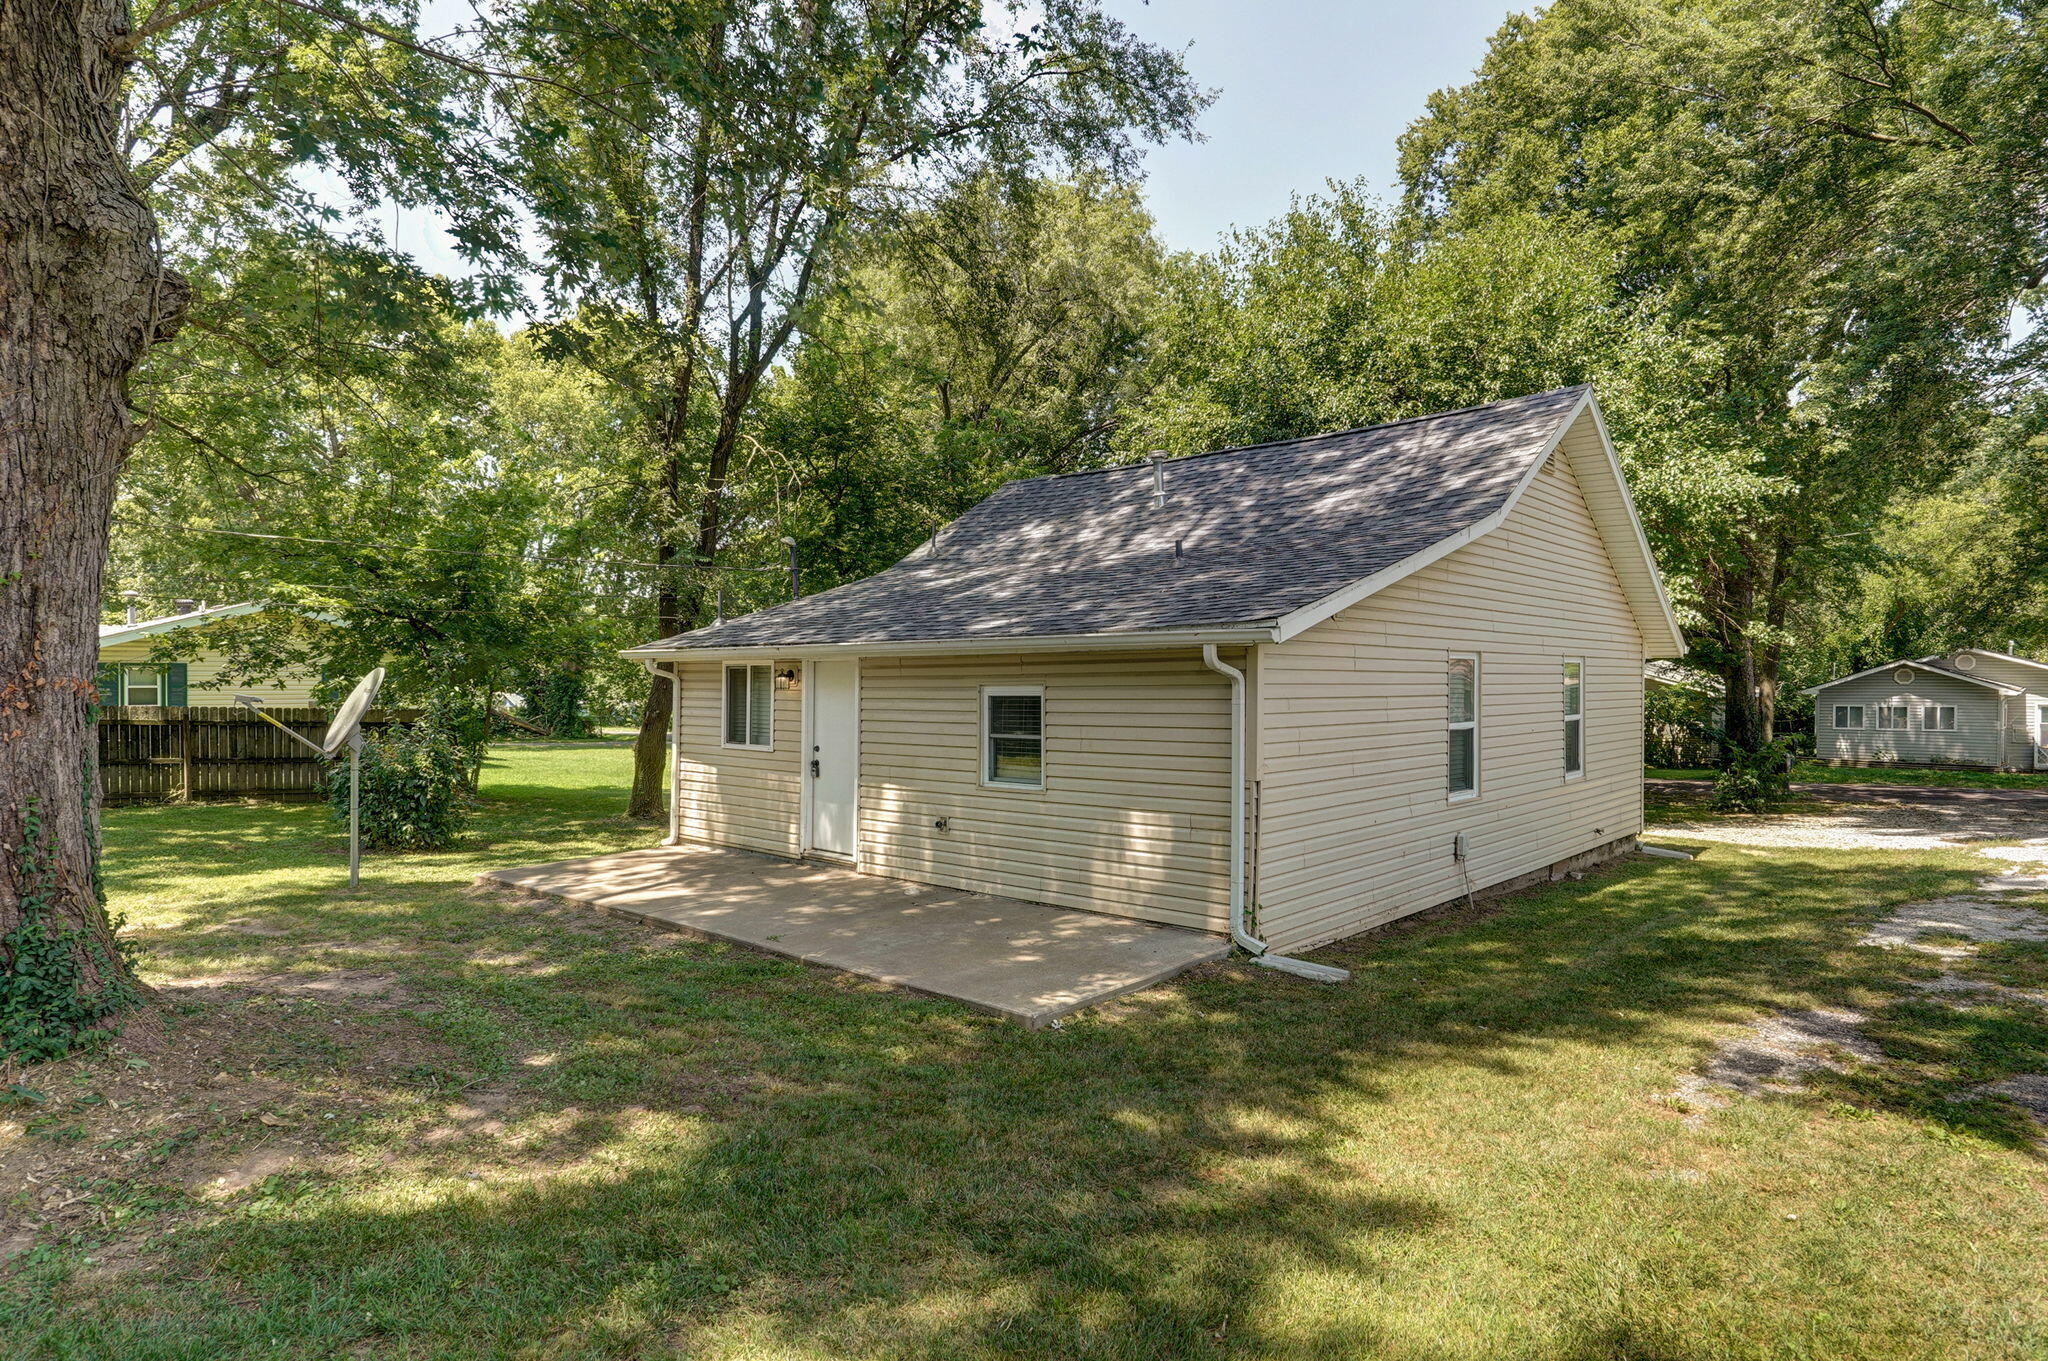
83,293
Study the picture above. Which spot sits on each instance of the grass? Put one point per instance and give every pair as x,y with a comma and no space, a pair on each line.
1808,772
432,1123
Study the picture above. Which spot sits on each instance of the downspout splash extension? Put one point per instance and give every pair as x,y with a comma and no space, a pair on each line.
1245,940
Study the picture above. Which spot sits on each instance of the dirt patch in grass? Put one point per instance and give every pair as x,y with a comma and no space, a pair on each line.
1777,1054
1959,926
228,1085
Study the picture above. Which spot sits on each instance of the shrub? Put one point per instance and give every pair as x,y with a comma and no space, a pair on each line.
412,787
1754,781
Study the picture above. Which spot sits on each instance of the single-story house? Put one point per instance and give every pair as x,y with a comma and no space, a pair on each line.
1291,691
1971,707
132,668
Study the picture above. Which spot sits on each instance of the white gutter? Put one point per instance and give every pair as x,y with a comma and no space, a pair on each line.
675,747
1252,945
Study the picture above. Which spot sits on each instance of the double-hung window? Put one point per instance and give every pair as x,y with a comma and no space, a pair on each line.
1574,719
1013,736
1891,716
1938,718
142,685
1848,715
750,706
1462,681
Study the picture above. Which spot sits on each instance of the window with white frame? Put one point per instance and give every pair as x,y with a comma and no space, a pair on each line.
1013,736
750,706
1848,715
142,685
1574,719
1891,716
1938,718
1462,694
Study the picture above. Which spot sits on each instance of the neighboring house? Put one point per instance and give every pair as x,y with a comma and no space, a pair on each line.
1679,730
1326,682
129,672
1971,707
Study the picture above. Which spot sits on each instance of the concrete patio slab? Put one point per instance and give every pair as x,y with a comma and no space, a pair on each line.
1025,961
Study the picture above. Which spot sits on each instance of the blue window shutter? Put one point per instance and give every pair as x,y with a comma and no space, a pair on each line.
108,678
174,685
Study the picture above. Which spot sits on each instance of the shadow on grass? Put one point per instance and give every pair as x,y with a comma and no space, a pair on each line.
725,1145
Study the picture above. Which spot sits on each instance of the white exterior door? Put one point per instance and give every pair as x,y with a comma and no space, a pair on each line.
834,765
2041,739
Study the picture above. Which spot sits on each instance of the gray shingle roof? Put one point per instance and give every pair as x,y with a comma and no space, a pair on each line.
1940,663
1261,531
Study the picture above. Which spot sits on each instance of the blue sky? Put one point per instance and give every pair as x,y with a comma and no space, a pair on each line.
1307,91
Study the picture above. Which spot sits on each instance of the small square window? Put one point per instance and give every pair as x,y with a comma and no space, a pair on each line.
1013,737
1848,715
1891,716
1938,718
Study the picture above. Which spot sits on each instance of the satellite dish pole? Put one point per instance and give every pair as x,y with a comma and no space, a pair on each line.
344,730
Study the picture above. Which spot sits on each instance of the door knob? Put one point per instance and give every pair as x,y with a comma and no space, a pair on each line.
814,767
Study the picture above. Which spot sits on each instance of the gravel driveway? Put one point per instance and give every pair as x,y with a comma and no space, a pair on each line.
1875,817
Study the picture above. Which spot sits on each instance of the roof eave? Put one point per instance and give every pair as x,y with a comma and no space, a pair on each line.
1236,635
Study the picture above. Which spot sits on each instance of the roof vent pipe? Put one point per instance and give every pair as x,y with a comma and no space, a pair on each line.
131,597
183,606
1158,457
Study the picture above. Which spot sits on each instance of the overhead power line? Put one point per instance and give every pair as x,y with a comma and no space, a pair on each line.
477,552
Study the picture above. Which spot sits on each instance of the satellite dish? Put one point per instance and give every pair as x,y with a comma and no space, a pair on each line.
350,715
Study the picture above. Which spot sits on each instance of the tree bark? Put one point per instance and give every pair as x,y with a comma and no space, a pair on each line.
84,292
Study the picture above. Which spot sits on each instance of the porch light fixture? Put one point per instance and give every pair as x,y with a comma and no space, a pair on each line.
786,679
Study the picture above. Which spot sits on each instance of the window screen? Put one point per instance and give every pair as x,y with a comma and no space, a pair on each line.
1014,721
1462,676
1891,715
1848,715
1574,718
1938,718
749,706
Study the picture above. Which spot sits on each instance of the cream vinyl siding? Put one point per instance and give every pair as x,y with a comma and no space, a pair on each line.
1977,740
203,677
1132,818
733,796
1356,825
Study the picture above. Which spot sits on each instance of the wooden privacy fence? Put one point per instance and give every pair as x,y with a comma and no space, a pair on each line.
213,752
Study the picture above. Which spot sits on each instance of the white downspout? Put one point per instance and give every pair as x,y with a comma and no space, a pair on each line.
1249,943
675,747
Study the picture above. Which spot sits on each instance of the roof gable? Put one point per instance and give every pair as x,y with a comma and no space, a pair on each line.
1935,665
1271,538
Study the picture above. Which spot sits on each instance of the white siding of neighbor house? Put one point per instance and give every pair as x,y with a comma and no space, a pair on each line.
203,676
1979,738
735,796
2002,730
2023,712
1356,825
1133,818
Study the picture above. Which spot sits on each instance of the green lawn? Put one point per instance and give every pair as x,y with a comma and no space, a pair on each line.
1810,773
435,1123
